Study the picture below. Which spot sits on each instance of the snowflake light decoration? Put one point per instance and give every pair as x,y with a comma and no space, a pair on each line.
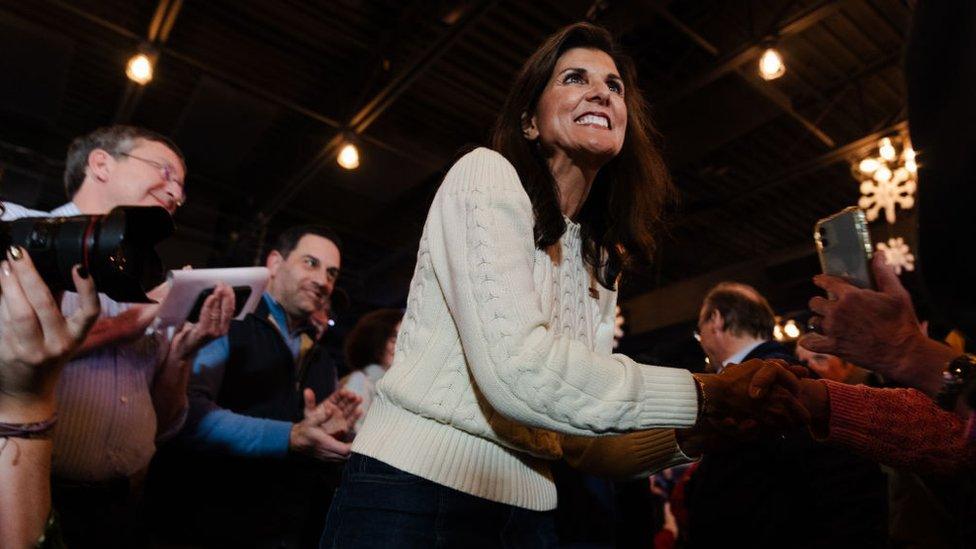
888,181
897,254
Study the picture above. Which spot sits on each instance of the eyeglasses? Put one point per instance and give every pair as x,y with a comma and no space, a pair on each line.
168,173
696,333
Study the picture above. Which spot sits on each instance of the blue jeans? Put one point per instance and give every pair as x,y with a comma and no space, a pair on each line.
378,505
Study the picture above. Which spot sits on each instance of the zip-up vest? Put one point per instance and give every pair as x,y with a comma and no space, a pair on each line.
262,380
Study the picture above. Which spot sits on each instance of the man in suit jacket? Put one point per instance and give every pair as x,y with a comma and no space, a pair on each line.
779,490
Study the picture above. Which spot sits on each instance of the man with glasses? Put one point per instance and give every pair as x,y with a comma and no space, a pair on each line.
126,389
247,469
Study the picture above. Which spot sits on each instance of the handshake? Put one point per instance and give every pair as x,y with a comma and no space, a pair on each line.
754,397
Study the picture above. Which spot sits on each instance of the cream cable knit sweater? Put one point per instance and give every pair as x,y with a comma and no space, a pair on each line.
505,349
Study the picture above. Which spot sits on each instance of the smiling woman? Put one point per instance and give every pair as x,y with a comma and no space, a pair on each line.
503,357
578,115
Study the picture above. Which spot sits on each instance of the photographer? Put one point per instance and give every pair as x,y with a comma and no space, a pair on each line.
35,342
126,389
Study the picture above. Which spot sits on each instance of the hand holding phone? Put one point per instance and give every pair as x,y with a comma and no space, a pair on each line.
844,246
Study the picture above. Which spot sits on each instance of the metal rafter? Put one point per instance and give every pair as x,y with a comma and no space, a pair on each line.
803,168
159,28
751,51
252,89
773,94
375,107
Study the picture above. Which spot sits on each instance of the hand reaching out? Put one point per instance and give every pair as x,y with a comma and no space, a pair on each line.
37,340
764,391
745,401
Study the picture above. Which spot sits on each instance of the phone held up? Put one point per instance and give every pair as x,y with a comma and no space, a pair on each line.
844,246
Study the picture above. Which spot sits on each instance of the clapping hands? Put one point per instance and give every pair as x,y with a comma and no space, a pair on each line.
214,321
320,435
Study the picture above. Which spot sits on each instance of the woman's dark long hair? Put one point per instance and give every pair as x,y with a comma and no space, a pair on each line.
366,343
625,205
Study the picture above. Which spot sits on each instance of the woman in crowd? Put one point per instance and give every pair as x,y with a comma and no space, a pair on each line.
503,359
369,353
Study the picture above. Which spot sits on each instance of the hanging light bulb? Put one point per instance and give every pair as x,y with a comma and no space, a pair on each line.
886,149
348,157
139,69
771,64
778,332
869,165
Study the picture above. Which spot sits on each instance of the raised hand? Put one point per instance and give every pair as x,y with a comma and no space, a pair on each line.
347,403
877,330
215,316
37,340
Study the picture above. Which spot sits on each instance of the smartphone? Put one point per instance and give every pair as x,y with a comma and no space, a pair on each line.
844,246
241,293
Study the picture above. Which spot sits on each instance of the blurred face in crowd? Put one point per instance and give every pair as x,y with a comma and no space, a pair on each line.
581,113
320,318
387,360
827,366
709,326
150,174
303,281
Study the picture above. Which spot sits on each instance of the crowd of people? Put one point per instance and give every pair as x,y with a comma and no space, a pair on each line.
240,433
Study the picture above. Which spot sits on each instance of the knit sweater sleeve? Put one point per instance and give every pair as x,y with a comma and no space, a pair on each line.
627,456
482,251
899,427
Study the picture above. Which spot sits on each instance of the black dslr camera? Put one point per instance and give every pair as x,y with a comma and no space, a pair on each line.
118,249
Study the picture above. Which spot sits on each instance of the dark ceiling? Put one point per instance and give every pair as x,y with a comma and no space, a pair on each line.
258,93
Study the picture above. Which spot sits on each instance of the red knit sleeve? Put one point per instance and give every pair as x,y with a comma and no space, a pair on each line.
898,427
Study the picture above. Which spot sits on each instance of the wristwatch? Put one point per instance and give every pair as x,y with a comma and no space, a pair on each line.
959,372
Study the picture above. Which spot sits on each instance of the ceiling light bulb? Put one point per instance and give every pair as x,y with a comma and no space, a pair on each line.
869,165
778,332
139,69
771,65
349,157
886,149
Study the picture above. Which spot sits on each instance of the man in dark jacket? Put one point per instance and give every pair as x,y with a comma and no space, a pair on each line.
248,468
777,491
